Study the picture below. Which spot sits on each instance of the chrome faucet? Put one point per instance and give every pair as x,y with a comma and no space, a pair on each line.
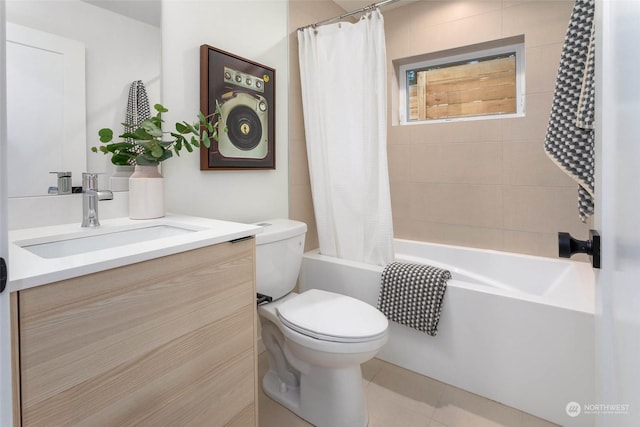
90,197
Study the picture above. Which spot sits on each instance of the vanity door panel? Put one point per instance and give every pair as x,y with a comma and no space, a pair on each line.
165,342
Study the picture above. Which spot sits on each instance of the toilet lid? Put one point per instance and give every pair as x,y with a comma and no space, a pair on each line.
332,317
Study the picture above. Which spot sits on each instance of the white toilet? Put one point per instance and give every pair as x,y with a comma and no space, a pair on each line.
315,340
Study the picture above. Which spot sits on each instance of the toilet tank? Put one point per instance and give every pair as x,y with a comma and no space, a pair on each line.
279,249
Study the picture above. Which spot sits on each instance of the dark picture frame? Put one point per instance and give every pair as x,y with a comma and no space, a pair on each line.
245,92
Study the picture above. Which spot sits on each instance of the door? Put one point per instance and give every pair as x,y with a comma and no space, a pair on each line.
5,341
618,214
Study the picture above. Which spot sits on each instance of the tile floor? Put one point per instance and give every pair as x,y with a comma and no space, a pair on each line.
397,397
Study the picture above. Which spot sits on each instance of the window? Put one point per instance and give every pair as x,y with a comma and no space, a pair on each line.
486,83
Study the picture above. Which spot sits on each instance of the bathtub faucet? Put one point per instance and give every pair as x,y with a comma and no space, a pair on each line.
90,197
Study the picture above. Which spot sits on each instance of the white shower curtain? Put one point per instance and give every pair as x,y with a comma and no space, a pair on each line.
343,74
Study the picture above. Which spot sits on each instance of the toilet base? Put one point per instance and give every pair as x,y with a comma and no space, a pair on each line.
325,397
287,396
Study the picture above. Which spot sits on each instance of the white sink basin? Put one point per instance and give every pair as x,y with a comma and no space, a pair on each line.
49,254
78,243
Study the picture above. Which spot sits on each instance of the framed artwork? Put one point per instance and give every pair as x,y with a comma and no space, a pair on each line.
242,92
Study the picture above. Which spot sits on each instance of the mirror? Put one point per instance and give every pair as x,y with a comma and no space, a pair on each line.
45,133
44,72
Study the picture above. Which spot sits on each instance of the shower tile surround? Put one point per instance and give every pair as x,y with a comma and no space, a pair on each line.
483,183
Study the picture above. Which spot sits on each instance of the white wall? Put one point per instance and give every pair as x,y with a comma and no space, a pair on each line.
256,30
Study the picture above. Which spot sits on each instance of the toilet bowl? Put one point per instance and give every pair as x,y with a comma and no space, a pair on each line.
316,340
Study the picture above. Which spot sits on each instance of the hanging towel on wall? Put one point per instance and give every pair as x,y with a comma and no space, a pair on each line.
570,134
412,294
137,106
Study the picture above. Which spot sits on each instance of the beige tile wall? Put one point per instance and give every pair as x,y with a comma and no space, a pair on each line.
484,183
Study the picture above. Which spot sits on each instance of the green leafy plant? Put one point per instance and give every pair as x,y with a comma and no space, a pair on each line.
147,144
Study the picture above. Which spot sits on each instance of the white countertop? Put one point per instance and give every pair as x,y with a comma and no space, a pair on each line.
27,270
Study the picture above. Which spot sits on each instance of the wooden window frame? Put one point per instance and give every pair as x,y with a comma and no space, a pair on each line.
440,59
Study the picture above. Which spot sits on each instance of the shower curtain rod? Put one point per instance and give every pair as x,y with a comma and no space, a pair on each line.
353,12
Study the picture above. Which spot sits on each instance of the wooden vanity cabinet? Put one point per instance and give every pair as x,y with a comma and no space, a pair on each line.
165,342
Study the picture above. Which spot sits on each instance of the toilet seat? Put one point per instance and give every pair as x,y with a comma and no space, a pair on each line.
332,317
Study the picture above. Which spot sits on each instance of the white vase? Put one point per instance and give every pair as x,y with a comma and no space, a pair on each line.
120,178
146,193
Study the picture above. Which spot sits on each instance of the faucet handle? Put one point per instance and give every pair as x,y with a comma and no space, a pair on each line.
89,181
62,174
64,183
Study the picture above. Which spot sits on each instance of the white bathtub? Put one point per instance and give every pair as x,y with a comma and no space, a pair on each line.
514,328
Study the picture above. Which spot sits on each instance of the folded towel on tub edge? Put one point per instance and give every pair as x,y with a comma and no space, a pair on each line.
412,295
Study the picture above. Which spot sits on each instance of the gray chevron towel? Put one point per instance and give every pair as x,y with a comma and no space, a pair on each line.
137,106
412,295
570,135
